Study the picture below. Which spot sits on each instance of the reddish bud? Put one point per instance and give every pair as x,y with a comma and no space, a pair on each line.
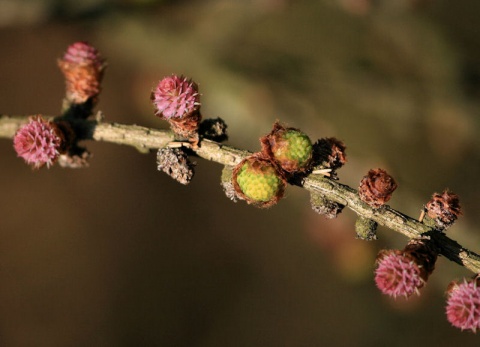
186,127
83,69
376,188
444,208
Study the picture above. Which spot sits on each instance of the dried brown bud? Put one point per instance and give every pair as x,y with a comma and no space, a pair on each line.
376,188
214,129
186,127
444,208
174,162
329,153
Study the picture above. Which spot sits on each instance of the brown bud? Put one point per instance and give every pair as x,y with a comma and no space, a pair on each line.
214,129
69,135
444,208
376,188
186,127
329,153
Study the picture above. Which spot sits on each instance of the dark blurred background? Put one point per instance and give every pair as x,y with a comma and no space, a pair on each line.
121,255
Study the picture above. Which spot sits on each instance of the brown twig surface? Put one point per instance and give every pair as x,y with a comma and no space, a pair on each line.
146,139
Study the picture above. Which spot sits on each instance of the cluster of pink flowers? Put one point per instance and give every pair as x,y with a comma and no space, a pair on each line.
41,142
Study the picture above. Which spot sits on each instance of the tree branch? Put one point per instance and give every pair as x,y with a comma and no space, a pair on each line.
146,139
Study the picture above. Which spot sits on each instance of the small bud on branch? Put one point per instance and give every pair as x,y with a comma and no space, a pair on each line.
444,209
83,68
376,187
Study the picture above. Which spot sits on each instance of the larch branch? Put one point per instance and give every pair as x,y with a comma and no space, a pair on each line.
146,139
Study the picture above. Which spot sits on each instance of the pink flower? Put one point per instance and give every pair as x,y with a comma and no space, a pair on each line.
83,69
81,53
463,305
398,274
175,97
39,142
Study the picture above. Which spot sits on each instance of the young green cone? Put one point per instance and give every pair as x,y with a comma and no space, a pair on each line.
257,181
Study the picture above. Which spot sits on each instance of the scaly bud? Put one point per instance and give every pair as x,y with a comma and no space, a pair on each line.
376,188
290,148
83,69
257,181
444,209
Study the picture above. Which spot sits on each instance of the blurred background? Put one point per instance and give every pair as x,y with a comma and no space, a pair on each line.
121,255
